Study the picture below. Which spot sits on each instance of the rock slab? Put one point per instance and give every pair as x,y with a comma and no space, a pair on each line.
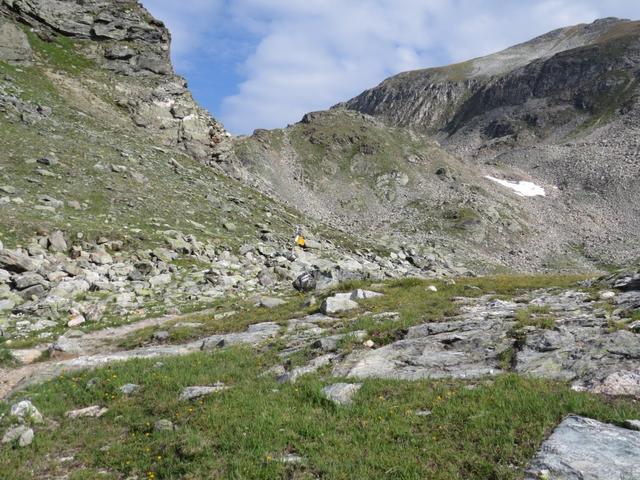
581,448
191,393
341,393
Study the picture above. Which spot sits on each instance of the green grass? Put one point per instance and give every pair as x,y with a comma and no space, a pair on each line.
535,316
63,53
490,432
245,313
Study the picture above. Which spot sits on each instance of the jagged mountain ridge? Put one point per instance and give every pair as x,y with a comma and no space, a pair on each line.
442,99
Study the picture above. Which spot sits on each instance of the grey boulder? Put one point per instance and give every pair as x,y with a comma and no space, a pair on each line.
341,393
17,263
22,434
340,302
585,449
14,44
56,242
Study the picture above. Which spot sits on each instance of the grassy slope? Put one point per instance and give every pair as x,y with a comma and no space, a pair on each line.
356,168
88,128
488,432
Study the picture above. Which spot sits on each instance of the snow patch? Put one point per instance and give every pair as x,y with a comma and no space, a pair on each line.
524,189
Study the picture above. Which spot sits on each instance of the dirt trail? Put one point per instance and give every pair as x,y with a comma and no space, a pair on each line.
95,349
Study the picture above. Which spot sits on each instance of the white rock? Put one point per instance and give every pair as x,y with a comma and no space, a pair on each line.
94,411
270,302
360,294
23,434
607,295
26,411
341,393
432,288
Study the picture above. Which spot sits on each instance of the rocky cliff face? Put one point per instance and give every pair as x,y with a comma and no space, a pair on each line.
121,37
575,66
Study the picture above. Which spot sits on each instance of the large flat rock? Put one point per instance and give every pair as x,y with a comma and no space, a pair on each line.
458,349
585,449
581,348
468,346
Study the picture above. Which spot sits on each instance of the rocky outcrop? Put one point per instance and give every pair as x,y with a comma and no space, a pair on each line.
584,448
55,281
566,66
14,45
120,36
579,343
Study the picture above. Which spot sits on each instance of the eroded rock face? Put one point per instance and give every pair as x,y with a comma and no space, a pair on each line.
14,45
122,37
587,449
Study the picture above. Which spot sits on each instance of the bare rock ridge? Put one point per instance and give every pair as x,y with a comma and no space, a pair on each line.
553,64
124,38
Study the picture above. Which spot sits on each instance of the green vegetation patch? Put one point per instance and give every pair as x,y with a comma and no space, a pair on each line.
62,53
416,304
490,431
535,316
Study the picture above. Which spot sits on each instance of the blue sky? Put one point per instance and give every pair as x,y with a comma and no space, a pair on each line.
264,63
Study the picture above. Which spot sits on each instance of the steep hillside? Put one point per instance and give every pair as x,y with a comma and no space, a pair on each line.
560,111
389,184
113,208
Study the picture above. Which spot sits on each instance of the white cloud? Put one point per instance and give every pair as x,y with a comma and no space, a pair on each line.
309,55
